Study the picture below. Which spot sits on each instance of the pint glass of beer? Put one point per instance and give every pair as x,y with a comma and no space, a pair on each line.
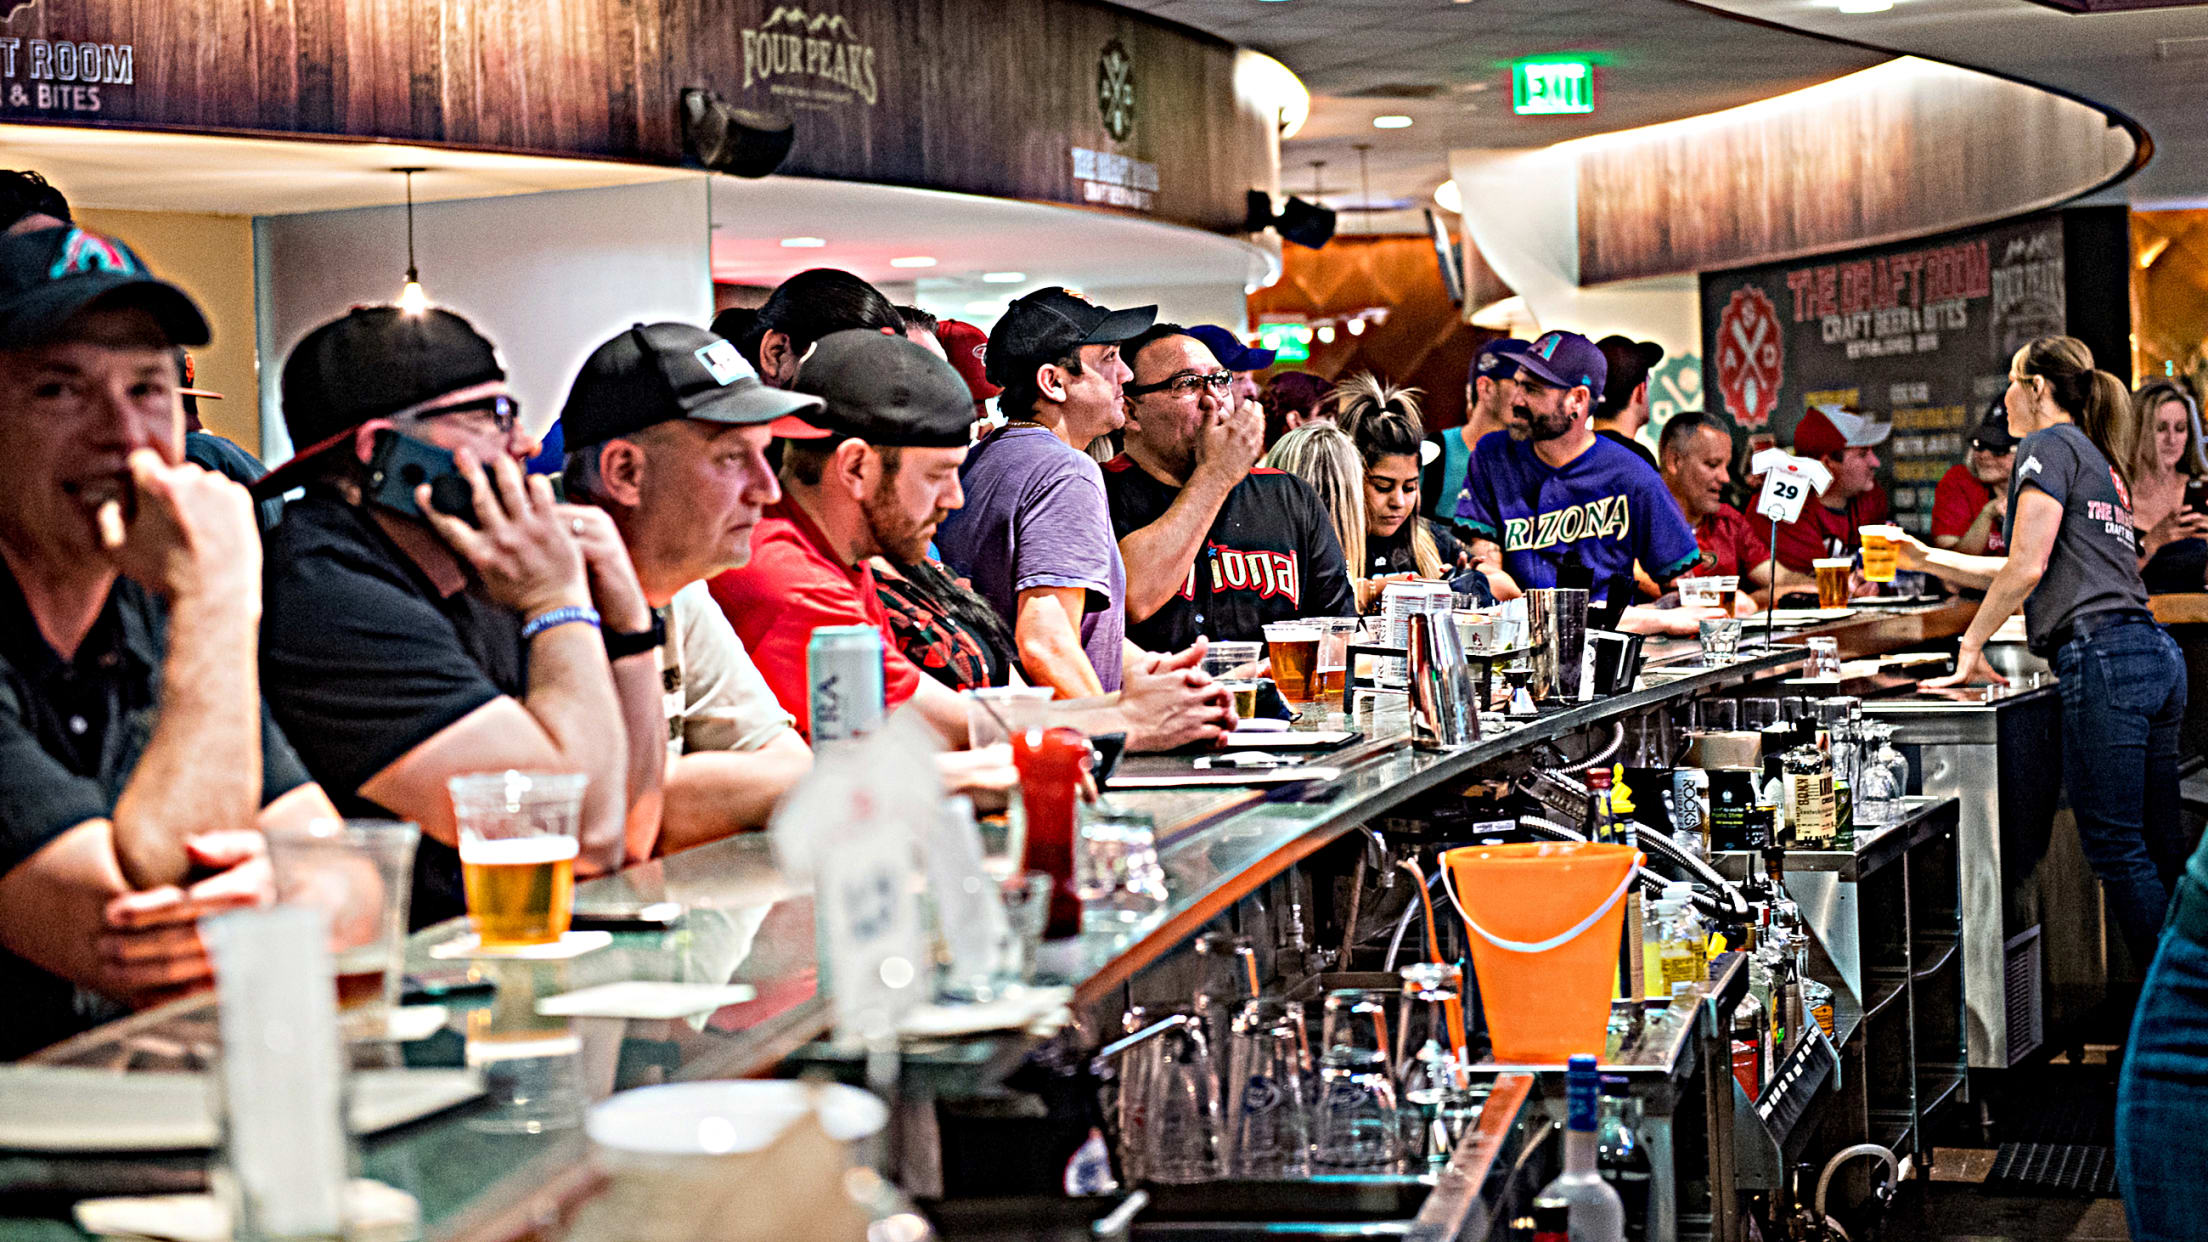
1294,647
1832,580
517,853
1880,557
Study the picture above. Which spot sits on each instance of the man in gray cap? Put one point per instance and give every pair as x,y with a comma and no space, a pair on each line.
666,430
873,472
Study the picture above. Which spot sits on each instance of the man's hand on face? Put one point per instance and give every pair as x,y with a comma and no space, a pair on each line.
1232,441
614,590
191,534
1175,703
523,547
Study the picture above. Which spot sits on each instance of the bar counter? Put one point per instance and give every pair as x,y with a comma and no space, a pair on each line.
746,924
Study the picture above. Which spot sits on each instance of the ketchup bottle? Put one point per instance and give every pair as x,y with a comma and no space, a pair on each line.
1050,762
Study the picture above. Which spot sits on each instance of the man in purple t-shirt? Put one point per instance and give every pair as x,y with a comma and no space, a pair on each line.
1035,535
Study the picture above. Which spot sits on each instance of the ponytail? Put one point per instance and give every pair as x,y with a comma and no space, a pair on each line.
2099,402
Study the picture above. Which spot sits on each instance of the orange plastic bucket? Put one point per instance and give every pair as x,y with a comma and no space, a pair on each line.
1545,921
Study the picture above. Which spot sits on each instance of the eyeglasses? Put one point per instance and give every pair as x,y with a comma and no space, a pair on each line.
503,414
1185,385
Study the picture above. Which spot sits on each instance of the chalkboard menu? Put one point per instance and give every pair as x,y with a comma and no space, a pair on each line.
1920,333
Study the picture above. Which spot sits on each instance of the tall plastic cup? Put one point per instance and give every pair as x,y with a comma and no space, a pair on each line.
517,853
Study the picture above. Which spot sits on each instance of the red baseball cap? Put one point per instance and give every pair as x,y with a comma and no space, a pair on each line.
966,345
1830,430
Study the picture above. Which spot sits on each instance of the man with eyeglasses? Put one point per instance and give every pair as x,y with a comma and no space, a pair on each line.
1214,546
402,646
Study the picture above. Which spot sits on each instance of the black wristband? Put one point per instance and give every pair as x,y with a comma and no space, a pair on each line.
654,635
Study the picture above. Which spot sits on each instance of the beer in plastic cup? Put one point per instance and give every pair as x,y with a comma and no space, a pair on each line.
517,853
1245,697
1832,581
1880,557
1294,647
362,872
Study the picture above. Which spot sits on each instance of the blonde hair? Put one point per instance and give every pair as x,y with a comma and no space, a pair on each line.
2146,403
2099,402
1321,455
1383,420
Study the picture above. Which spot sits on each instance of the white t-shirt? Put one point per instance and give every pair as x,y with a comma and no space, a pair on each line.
714,697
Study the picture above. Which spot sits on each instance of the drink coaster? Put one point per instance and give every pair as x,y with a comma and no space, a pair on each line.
573,944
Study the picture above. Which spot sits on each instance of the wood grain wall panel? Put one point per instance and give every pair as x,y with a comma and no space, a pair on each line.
1928,148
974,95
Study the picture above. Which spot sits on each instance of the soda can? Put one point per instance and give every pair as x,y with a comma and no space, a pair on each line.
1690,800
843,680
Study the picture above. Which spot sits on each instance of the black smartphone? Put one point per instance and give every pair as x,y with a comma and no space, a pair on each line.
401,463
2196,494
627,916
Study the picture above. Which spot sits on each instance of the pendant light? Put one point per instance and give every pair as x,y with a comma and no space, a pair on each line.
412,301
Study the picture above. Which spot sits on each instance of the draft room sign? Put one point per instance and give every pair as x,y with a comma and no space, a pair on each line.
975,96
1918,333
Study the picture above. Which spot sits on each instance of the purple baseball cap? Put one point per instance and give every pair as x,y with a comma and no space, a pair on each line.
1565,359
1494,361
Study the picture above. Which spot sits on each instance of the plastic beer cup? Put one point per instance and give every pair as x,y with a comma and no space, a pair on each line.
1880,557
517,853
1832,581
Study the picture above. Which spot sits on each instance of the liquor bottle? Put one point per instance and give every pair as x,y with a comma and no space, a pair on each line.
1811,809
1749,1035
1601,826
1619,1154
1593,1210
1656,941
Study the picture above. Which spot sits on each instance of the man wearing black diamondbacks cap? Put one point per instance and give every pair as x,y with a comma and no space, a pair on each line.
667,431
136,760
403,646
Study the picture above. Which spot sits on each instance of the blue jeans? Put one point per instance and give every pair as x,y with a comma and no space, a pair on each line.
2162,1102
2123,698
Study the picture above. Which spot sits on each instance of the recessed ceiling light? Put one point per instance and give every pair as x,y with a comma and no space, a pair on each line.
1003,278
1391,121
1864,6
913,260
803,243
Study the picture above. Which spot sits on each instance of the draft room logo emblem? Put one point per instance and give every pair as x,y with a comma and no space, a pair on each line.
1750,357
810,60
1115,90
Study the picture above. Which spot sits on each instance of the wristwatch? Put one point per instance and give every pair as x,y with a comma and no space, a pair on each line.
654,635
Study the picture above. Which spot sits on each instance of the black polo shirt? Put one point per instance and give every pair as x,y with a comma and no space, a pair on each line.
363,659
1271,555
71,732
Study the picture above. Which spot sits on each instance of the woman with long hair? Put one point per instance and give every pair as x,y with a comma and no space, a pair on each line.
1384,423
1319,454
2173,555
2073,567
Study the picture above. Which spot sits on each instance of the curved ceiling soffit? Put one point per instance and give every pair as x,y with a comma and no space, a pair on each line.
1905,149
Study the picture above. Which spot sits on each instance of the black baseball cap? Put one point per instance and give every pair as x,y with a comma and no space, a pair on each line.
376,362
656,373
1992,432
48,275
1626,363
1049,324
881,389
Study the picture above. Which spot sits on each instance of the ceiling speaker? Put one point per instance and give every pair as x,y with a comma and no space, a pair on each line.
1305,223
743,142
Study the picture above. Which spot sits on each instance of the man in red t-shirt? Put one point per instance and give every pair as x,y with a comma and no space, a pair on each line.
1842,440
1972,499
1696,454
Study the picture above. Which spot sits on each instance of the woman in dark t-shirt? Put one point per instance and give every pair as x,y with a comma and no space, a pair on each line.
2073,568
946,630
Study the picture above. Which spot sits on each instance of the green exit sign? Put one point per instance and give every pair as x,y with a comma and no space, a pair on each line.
1552,87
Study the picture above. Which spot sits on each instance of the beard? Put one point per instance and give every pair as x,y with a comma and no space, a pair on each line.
897,534
1526,423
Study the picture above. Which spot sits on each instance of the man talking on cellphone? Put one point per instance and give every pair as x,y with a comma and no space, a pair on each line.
403,645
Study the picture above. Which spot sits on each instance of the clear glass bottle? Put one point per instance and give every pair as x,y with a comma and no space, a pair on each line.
1592,1208
1620,1155
1877,798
